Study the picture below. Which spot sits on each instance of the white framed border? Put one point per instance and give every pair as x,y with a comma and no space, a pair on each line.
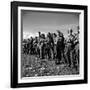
52,78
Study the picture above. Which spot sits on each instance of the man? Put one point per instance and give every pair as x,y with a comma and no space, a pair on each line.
76,50
41,45
59,47
31,45
70,47
50,45
35,46
55,44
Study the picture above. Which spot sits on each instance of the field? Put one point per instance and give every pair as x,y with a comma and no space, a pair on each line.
32,66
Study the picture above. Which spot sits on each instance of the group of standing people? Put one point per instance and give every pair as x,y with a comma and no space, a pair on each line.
54,46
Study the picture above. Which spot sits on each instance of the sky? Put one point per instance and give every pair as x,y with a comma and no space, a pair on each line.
33,21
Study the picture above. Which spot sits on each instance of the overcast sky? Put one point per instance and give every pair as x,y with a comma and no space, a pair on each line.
32,22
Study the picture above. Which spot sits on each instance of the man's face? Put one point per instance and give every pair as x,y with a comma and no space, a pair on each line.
58,34
60,38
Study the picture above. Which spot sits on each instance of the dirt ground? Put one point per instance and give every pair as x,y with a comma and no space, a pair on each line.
32,66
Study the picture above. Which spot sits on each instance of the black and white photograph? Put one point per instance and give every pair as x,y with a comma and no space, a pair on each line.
50,44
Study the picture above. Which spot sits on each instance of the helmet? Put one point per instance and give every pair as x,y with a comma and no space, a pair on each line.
60,33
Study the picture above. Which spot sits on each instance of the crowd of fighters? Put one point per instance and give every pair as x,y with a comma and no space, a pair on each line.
54,46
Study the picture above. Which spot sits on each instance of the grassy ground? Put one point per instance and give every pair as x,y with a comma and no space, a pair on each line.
32,66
